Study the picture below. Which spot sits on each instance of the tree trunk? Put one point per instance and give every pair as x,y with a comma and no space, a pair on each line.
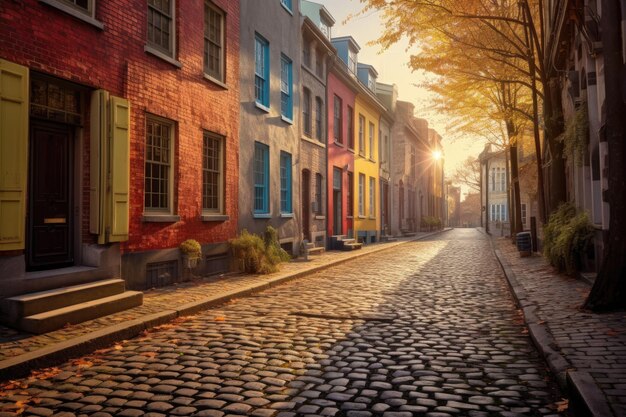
516,218
556,187
609,290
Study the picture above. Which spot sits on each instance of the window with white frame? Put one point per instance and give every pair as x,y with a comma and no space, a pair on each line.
361,194
372,197
212,173
161,25
287,4
502,179
159,166
371,137
524,213
352,60
361,135
286,87
213,41
261,71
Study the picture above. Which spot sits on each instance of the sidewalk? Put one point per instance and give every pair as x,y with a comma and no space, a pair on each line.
586,351
21,352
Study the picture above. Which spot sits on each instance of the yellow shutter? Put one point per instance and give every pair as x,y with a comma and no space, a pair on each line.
97,162
13,154
120,168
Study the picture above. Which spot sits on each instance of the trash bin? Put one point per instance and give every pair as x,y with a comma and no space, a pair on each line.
524,243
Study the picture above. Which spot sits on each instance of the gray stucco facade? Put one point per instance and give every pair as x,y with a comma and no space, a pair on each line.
264,125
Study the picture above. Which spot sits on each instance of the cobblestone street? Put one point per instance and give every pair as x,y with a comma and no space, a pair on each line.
428,328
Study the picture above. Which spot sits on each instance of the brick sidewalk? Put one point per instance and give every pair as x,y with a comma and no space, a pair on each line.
159,306
586,349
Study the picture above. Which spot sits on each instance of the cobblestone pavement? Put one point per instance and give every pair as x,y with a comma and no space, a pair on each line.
426,329
14,343
593,343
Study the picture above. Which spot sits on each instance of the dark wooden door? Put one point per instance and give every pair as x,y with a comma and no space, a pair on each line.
50,220
306,204
337,214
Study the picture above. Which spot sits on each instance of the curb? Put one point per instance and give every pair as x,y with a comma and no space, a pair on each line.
586,398
22,365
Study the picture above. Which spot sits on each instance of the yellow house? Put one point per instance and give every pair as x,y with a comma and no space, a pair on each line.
367,112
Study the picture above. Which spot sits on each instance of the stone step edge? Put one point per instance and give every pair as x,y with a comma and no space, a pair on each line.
21,365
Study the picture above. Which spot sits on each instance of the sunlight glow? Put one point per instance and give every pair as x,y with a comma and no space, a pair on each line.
437,155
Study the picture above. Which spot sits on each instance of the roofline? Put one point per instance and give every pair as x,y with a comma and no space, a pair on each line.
312,27
348,38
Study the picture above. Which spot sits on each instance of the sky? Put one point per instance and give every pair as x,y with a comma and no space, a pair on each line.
392,67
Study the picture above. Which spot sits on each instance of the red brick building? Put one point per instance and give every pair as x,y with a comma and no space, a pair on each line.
118,139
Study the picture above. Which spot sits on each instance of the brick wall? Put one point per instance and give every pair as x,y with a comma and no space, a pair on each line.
50,41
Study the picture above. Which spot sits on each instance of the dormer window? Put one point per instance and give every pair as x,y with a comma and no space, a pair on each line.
352,61
325,28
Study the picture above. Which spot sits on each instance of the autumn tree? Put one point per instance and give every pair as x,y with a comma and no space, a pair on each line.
468,173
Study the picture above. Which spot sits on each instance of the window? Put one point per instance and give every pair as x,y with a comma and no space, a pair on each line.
361,135
352,61
306,111
158,165
285,183
261,178
213,42
372,197
261,71
319,119
338,120
502,180
524,213
286,4
319,63
84,6
212,173
350,127
413,162
350,211
371,141
306,52
161,25
493,179
493,212
371,84
325,28
286,88
361,195
318,193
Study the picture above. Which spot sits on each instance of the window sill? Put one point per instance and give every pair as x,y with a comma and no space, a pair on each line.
74,12
261,216
215,81
320,217
339,144
286,215
286,119
160,218
314,142
351,150
153,51
261,106
372,218
362,217
372,160
349,217
214,218
314,74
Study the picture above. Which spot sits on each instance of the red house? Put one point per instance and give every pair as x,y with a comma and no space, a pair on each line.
118,141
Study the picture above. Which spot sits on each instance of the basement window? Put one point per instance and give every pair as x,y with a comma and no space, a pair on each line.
161,274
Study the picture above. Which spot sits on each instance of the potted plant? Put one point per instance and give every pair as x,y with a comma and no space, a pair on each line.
192,251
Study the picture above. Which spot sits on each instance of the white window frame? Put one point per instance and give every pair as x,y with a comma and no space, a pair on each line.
171,167
220,75
361,195
372,197
220,171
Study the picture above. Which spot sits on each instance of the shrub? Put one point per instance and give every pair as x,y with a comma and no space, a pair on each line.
575,138
191,248
258,255
566,236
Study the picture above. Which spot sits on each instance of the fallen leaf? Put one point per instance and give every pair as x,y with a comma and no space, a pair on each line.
118,347
562,405
220,318
149,354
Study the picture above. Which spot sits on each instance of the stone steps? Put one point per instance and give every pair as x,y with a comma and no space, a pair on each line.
44,311
77,313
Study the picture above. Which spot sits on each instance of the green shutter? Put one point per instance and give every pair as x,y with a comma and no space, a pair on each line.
98,157
13,154
120,168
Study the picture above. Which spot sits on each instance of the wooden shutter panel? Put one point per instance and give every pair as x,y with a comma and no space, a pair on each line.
120,168
13,154
98,158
